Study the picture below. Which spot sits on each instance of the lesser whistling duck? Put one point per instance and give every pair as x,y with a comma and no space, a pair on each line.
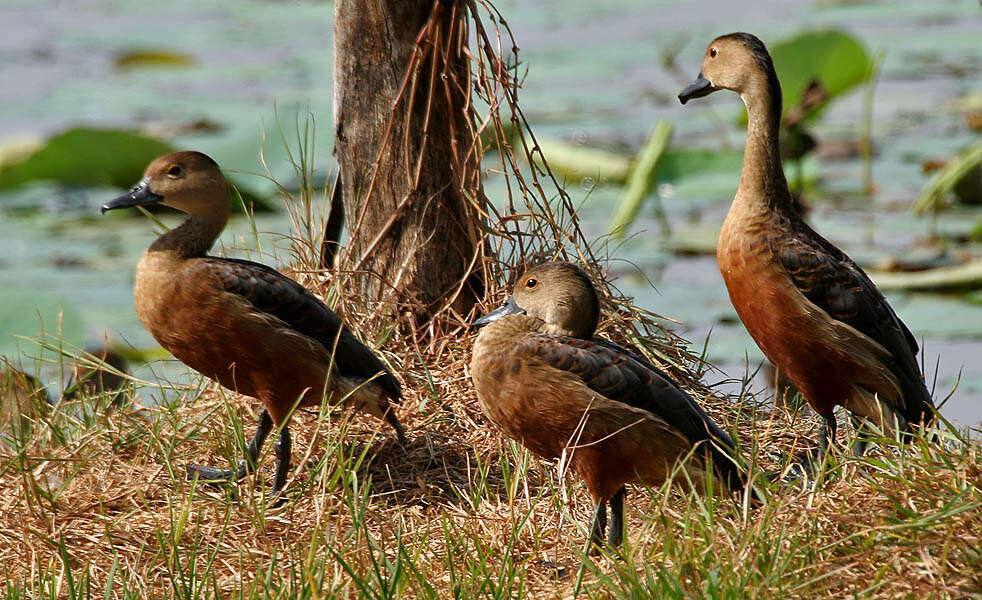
810,308
241,323
545,380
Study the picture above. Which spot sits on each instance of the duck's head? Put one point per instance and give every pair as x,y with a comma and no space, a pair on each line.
188,181
558,294
738,62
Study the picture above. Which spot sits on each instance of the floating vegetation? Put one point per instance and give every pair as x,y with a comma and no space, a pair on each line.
960,178
968,275
833,59
85,156
93,157
577,162
641,180
137,59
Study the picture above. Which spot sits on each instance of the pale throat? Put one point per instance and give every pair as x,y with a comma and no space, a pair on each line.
762,179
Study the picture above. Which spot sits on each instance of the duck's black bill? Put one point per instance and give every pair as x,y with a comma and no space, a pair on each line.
139,195
697,89
508,308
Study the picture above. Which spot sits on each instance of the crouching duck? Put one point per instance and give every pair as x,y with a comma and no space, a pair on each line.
545,380
243,324
810,308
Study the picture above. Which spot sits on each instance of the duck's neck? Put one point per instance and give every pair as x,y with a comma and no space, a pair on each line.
762,181
193,238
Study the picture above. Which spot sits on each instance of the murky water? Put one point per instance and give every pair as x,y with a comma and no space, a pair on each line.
595,76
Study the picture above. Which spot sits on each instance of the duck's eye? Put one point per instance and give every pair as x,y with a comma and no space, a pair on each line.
531,283
175,171
712,53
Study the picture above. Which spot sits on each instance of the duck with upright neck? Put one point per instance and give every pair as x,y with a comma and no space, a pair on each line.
547,382
813,311
241,323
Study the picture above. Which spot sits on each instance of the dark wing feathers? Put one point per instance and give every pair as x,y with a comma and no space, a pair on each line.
837,285
273,293
832,281
623,376
603,369
640,360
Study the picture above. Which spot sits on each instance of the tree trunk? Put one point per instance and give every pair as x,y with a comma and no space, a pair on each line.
409,170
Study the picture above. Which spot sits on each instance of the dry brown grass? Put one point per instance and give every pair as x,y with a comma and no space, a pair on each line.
95,502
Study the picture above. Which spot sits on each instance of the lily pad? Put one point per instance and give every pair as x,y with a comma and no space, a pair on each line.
832,58
89,157
131,59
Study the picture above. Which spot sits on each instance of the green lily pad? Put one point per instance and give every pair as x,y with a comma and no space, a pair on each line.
89,157
104,158
835,59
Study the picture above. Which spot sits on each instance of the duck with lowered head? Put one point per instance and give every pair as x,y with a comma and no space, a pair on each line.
547,382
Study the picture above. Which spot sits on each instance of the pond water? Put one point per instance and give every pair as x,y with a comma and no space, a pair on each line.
595,76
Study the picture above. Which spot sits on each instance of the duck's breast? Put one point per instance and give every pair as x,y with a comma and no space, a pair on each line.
556,415
508,394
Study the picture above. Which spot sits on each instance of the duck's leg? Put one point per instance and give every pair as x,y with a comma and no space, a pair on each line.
390,416
597,530
282,447
826,435
246,464
808,464
616,535
859,447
